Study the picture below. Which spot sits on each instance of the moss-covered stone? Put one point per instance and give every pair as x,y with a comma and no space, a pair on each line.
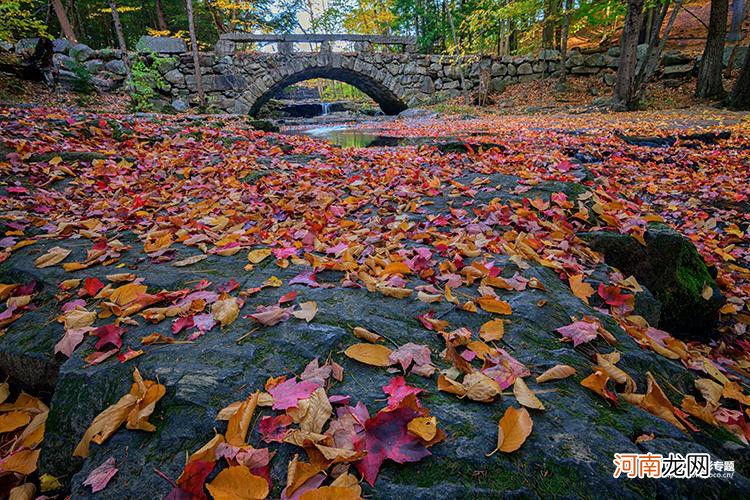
672,269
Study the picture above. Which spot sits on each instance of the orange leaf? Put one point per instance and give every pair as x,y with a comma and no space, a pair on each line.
370,354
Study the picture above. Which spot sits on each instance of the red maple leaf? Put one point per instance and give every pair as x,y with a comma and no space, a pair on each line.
287,394
190,484
109,335
398,390
386,437
274,428
612,295
92,286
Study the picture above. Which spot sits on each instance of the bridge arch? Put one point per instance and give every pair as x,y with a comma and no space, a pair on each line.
382,88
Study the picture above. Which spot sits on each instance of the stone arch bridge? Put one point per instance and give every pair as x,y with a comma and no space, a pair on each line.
240,81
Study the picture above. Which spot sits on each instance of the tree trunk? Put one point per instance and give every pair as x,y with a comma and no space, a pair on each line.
739,13
161,22
625,91
65,26
710,84
564,39
120,35
548,25
194,49
457,53
740,96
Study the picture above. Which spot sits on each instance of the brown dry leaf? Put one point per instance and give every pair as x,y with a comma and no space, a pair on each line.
493,305
363,334
4,392
597,382
657,403
23,462
580,288
332,493
307,311
424,428
134,407
526,396
238,483
557,372
710,390
126,294
692,407
54,255
225,311
77,318
616,374
480,387
239,422
732,390
317,411
446,384
190,260
492,330
299,472
513,429
13,420
7,289
24,492
33,434
394,291
259,255
370,354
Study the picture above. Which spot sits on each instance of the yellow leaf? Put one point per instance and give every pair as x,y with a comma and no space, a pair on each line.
492,330
313,412
513,429
54,255
225,311
238,483
493,305
259,255
370,354
555,373
580,288
424,428
126,294
160,243
480,387
77,318
273,281
190,260
526,396
49,482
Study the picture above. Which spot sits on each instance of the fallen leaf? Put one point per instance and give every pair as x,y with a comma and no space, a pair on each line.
555,373
238,483
513,429
54,255
580,288
225,311
370,354
100,477
492,330
307,311
364,334
526,396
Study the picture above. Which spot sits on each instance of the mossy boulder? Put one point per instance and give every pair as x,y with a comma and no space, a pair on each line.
672,269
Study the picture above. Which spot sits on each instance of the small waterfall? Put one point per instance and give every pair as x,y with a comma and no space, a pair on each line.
325,108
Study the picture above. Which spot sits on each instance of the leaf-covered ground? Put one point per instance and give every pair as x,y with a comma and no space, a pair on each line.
345,311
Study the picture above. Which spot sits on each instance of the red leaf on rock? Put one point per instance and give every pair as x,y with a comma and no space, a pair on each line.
579,332
109,335
398,390
386,437
274,428
612,295
92,286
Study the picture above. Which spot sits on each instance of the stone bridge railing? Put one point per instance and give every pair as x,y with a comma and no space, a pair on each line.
241,81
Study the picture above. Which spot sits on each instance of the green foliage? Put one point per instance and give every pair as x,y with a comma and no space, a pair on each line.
20,19
339,91
146,81
82,81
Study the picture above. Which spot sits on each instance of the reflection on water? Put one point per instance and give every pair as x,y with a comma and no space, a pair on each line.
346,137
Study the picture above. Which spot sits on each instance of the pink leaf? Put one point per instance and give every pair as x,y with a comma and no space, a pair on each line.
579,332
100,477
288,393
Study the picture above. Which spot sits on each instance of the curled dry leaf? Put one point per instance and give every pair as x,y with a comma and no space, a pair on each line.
526,396
364,334
189,261
54,255
555,373
370,354
225,311
307,311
